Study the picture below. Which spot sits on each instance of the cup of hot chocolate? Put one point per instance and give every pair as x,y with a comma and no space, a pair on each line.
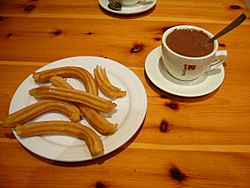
187,52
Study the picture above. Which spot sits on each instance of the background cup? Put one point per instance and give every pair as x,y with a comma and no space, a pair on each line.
190,68
128,2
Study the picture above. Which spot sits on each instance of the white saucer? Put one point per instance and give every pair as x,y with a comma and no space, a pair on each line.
134,9
158,74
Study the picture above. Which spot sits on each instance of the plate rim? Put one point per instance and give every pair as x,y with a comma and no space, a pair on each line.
155,52
109,62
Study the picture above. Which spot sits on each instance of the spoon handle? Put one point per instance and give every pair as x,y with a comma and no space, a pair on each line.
231,26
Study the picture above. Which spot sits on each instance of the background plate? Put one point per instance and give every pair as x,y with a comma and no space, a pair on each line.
135,9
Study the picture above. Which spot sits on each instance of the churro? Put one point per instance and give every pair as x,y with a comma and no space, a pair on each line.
77,96
105,85
82,132
60,82
34,110
95,119
69,71
98,121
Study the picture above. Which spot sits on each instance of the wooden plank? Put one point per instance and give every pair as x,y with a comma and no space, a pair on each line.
127,168
128,44
194,10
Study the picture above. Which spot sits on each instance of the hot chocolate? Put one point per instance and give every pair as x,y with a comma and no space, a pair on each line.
189,42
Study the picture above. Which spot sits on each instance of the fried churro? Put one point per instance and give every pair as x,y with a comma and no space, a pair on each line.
95,119
69,71
60,82
34,110
98,121
77,96
82,132
105,85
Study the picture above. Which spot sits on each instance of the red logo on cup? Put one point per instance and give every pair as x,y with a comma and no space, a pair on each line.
189,67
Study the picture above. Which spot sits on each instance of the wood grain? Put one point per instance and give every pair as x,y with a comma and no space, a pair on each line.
128,168
183,142
58,38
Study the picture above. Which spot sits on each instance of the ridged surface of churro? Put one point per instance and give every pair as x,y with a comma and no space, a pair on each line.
77,96
34,110
105,85
95,119
91,139
68,71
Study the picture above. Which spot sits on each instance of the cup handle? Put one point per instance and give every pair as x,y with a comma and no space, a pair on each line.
221,56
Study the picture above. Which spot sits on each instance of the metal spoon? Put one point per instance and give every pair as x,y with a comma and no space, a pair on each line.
115,5
229,27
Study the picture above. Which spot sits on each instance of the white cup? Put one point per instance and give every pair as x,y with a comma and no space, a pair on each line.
128,2
190,68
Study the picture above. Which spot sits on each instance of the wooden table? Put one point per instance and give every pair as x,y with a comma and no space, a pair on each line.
183,142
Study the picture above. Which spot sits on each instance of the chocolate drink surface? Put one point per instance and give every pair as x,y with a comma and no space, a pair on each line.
189,42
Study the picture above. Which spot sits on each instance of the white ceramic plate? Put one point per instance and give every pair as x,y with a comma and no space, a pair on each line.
158,74
133,9
129,114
